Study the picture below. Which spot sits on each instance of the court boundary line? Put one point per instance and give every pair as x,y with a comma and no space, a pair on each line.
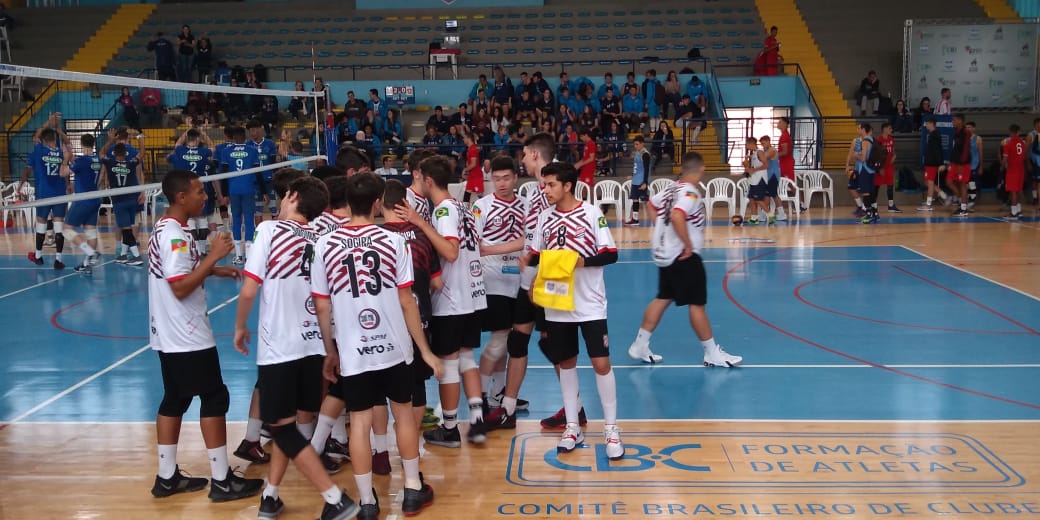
622,421
976,275
87,380
46,282
649,366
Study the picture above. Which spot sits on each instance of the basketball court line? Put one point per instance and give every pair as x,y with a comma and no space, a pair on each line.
965,271
46,282
99,373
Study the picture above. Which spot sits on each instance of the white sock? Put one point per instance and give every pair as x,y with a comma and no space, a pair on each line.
123,249
411,473
271,490
218,463
942,195
134,251
238,248
379,442
964,207
1016,209
859,203
167,460
451,418
498,383
607,387
476,409
569,388
253,429
332,495
339,430
57,256
364,486
780,212
928,201
307,429
485,383
643,336
87,250
710,347
249,246
509,403
321,433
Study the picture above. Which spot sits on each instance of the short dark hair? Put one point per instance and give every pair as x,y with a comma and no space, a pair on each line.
253,123
930,120
692,161
417,156
176,181
363,190
1014,128
337,186
373,91
283,178
544,143
564,172
324,172
48,134
503,162
119,149
959,116
866,127
192,134
87,140
238,132
786,120
885,125
313,196
438,169
394,193
970,123
229,130
351,158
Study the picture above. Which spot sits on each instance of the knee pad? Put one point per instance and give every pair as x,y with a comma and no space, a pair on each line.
451,372
69,234
466,361
91,234
174,407
543,345
59,227
41,229
216,403
288,439
635,205
496,346
517,344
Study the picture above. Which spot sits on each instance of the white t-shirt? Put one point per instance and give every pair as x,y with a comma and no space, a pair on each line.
583,229
942,107
386,172
281,262
328,222
175,324
535,204
500,221
761,176
419,203
463,290
360,269
684,197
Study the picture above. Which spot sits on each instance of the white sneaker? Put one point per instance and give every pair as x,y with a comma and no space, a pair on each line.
572,437
721,358
641,352
94,259
612,437
781,216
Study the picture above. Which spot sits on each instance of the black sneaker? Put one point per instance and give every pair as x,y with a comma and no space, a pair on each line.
337,450
960,213
369,511
416,499
252,451
558,421
522,404
84,270
443,437
477,433
270,508
500,420
178,483
234,487
344,510
330,465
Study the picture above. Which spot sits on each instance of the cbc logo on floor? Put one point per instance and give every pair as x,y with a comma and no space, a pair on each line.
638,457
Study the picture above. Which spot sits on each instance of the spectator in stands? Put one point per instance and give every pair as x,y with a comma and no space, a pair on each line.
439,121
130,115
943,108
502,138
151,106
222,74
565,100
589,120
354,107
452,145
370,142
481,84
480,103
204,58
653,97
548,125
526,107
370,118
768,61
690,116
377,105
236,108
195,107
499,118
614,144
568,143
164,60
538,83
463,120
608,84
564,117
268,114
185,54
393,131
298,108
923,112
387,170
610,109
324,102
545,105
902,121
565,84
698,92
869,94
672,93
662,142
482,127
633,111
502,88
431,141
524,86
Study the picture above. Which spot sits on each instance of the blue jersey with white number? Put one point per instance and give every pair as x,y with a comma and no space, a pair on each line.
86,168
131,152
238,157
46,166
191,158
120,175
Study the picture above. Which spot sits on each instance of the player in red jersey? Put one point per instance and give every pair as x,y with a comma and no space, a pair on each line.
1013,160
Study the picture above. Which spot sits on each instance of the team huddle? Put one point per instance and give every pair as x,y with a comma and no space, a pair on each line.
355,315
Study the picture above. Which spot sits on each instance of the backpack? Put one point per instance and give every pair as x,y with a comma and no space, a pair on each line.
1036,144
877,156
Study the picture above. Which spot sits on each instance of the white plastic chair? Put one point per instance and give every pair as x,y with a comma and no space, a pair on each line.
155,197
817,181
609,193
525,189
660,185
720,189
742,194
789,194
583,192
626,194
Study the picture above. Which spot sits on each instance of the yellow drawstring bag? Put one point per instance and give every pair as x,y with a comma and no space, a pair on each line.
554,286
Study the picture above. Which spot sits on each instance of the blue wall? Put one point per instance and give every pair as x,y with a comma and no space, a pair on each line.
1026,8
776,91
440,4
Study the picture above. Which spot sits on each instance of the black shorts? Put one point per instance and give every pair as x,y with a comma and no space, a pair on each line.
336,389
420,372
499,313
684,282
853,181
638,194
368,389
525,311
290,386
865,181
758,191
773,186
562,343
188,374
453,333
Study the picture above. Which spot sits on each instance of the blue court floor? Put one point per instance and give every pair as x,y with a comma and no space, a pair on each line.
827,333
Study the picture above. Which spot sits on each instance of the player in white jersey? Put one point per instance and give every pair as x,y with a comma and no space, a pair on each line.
290,352
755,169
455,325
575,225
337,214
500,224
677,240
416,192
362,277
180,331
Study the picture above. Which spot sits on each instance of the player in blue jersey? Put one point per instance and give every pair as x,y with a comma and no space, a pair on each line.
238,156
48,163
267,152
218,152
120,172
121,135
84,213
194,152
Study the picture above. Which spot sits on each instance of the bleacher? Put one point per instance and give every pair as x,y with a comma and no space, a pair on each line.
390,45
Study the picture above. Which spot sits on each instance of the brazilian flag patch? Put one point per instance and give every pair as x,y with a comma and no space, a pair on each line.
441,212
602,221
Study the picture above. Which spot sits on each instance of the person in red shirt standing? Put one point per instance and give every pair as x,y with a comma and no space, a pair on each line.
473,171
785,151
1013,159
587,165
887,176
